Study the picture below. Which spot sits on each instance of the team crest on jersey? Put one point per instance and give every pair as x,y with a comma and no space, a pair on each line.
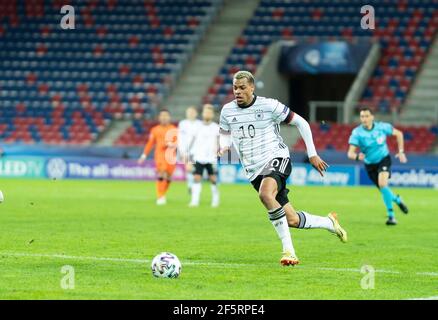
258,114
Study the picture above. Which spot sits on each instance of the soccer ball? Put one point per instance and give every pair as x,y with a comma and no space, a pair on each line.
1,196
166,265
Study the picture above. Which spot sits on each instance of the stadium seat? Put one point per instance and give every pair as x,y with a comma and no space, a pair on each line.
333,136
401,26
61,86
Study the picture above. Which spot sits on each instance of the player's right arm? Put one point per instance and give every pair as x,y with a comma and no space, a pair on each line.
352,149
182,141
148,147
353,154
225,140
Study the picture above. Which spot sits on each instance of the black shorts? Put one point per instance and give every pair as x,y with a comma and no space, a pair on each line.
279,169
200,167
374,169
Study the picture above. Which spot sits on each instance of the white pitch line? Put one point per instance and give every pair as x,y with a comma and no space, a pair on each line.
427,298
353,270
193,262
61,256
433,274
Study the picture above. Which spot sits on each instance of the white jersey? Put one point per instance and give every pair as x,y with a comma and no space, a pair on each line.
186,132
205,143
255,132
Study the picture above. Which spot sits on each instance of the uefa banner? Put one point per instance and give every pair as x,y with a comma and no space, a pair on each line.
102,168
302,174
123,169
80,168
22,167
336,175
426,177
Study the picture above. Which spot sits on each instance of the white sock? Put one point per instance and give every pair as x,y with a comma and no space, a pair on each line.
279,221
214,193
189,178
196,192
310,221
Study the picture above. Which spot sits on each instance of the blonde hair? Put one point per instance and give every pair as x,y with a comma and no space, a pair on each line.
243,74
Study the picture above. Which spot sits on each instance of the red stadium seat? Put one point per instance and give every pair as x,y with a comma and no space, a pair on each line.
398,31
337,136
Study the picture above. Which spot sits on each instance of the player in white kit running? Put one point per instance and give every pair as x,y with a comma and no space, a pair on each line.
204,149
252,125
187,129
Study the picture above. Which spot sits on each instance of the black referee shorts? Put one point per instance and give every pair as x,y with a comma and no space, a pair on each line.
374,169
278,169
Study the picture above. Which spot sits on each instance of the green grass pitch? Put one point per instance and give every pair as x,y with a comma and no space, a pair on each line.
108,231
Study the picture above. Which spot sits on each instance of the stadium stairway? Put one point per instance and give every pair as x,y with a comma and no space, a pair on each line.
114,131
424,95
405,32
210,55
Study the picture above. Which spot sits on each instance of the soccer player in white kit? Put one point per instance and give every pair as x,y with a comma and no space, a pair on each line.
204,149
252,125
187,129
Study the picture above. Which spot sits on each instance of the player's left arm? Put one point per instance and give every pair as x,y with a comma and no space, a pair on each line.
306,133
400,144
148,147
190,143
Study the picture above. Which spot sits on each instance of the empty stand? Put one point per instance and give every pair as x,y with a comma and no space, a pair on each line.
405,30
137,134
65,86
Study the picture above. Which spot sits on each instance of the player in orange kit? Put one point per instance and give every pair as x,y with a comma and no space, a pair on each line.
164,137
